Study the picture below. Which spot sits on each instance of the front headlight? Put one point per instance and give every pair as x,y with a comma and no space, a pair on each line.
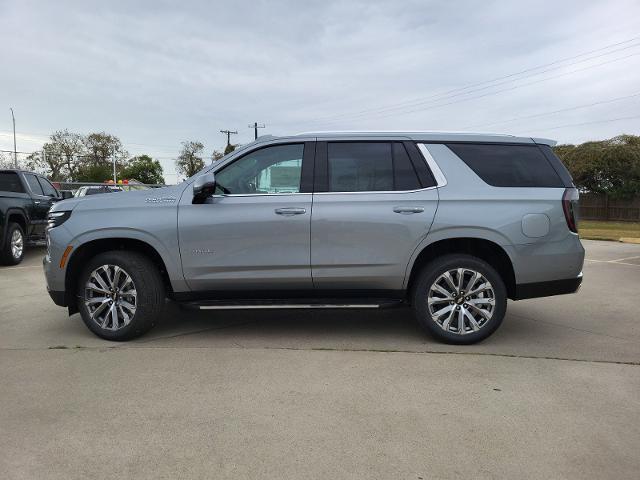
55,219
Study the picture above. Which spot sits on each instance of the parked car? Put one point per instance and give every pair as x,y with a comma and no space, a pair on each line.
25,199
95,189
451,224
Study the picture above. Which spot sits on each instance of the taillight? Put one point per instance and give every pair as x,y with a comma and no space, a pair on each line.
570,207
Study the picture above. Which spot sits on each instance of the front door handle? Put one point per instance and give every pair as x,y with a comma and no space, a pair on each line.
408,210
289,211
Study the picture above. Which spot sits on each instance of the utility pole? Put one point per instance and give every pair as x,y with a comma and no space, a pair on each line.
228,133
255,127
15,150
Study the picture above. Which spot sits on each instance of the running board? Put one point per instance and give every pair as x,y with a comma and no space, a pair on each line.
262,304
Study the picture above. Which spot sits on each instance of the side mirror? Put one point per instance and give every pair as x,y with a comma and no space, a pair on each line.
64,194
203,187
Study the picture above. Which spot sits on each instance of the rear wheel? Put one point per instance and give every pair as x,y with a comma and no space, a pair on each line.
459,299
120,295
12,252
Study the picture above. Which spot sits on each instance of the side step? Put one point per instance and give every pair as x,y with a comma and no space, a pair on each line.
293,303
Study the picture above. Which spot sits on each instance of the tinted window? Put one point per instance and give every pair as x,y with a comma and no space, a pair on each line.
508,165
47,188
275,169
360,167
34,185
405,177
9,182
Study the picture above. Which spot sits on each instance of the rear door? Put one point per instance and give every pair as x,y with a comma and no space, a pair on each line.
374,201
40,206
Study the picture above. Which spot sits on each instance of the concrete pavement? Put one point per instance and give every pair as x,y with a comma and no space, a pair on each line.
342,394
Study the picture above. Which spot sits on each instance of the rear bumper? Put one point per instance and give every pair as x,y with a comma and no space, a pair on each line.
547,289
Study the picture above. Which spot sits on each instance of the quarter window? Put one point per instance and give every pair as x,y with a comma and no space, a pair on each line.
508,165
275,169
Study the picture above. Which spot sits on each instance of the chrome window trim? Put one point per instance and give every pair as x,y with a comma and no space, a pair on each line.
441,180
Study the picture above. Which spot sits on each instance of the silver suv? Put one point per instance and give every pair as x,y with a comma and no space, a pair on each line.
451,224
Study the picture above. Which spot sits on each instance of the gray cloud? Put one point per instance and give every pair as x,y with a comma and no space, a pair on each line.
156,73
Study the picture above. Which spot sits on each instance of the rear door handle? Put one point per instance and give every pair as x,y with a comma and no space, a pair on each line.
408,210
289,211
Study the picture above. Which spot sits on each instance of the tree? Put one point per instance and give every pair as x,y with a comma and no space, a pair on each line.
229,148
609,166
189,161
216,155
144,169
60,157
102,147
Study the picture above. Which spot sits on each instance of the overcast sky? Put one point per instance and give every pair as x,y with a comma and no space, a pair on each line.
157,73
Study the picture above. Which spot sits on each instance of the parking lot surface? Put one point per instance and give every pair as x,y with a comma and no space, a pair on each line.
555,393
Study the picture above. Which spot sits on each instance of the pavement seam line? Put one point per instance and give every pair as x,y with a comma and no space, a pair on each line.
328,349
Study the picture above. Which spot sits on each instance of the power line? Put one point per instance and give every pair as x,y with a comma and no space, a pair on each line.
460,91
504,89
255,127
228,133
588,123
577,107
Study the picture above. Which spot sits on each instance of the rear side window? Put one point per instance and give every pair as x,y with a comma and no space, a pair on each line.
360,167
34,185
370,167
10,182
508,165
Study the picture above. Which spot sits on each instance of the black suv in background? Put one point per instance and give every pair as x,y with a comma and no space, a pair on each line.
25,199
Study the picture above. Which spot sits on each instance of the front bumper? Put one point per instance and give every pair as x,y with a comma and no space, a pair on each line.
59,298
547,289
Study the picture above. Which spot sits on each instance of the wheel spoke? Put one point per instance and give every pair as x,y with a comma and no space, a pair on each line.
441,290
110,297
449,280
471,315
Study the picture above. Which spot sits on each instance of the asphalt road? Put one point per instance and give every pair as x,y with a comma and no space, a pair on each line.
555,393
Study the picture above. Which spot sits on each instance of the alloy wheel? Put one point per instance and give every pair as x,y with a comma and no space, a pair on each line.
17,244
461,301
110,297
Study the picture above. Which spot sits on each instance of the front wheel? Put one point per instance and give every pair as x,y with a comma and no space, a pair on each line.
459,299
120,295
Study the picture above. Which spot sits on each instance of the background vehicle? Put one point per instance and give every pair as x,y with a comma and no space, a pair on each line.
452,224
25,199
96,189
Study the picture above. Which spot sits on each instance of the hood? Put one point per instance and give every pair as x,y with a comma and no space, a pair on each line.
170,194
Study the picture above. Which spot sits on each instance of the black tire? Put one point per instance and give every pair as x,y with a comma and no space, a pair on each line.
148,284
431,272
6,254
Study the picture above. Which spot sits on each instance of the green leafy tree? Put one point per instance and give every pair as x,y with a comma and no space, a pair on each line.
190,161
609,166
92,172
144,169
102,147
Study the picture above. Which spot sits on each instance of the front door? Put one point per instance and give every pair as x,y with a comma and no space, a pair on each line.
254,232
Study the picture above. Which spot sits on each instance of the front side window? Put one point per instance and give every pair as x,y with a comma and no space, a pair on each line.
47,188
34,185
275,169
